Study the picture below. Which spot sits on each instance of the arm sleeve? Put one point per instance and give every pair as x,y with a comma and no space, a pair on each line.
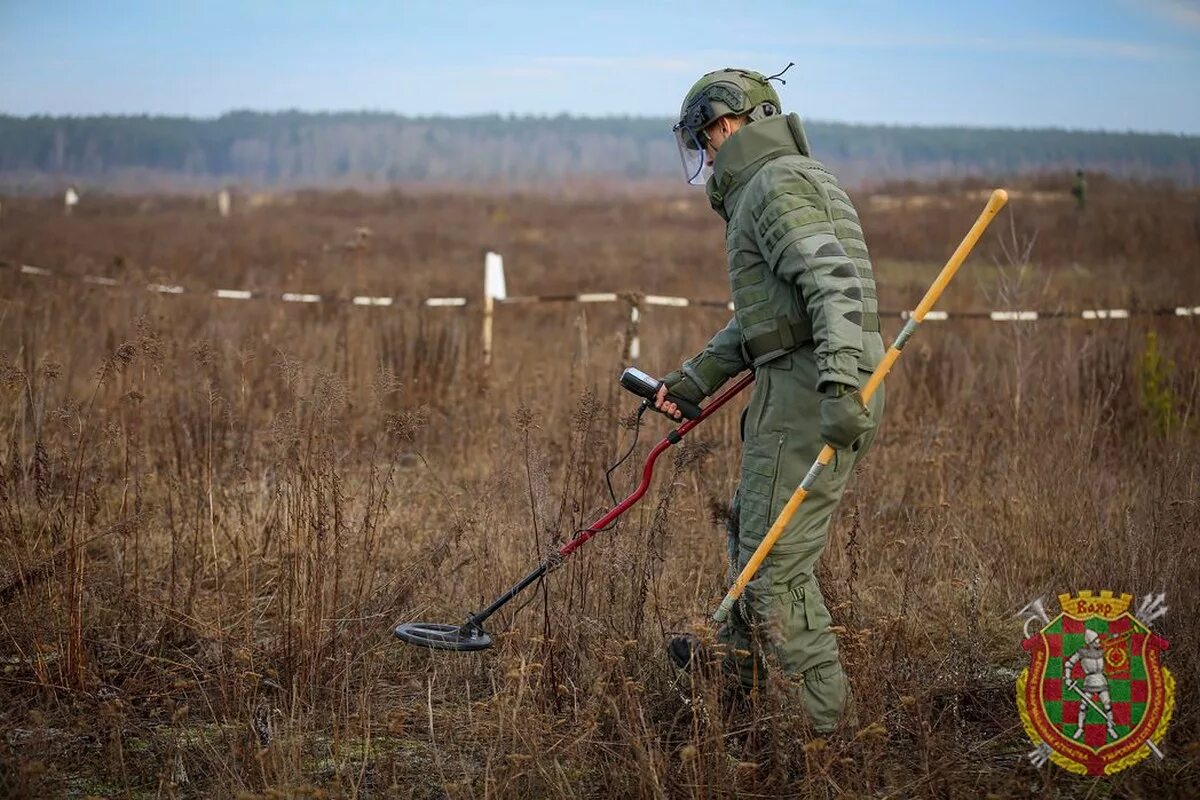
798,242
719,361
1070,664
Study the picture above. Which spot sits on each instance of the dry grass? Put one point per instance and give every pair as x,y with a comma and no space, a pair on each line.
211,514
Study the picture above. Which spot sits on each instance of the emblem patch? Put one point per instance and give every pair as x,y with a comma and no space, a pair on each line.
1095,698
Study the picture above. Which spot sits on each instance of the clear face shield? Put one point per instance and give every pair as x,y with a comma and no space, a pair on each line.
692,154
692,140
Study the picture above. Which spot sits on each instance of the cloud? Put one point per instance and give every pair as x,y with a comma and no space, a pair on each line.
1180,12
655,63
692,65
1046,45
519,71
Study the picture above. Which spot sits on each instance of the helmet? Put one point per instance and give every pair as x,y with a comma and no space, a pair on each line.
1090,637
726,92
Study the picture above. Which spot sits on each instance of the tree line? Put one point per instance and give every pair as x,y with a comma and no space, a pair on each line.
342,149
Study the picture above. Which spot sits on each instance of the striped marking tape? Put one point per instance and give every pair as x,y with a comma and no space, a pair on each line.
635,299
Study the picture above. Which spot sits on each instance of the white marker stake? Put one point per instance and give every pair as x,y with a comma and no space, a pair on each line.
493,289
493,277
635,342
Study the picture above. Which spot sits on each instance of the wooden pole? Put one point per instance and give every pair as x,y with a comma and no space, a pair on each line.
633,343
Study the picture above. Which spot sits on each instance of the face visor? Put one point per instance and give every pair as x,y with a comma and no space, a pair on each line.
692,153
692,140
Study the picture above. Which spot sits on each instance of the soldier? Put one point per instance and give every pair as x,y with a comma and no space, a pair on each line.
1079,191
1090,658
805,319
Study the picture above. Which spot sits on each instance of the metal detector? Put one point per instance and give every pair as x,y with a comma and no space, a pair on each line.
471,635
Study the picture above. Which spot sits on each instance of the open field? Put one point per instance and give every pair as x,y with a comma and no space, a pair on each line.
212,512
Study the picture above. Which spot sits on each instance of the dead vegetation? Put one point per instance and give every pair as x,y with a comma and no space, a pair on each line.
212,512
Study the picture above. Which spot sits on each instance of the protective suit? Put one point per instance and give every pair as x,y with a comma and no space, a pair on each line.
806,321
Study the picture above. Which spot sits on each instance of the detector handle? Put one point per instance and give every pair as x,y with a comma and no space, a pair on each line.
644,386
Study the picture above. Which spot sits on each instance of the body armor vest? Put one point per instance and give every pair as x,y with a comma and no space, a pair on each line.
765,215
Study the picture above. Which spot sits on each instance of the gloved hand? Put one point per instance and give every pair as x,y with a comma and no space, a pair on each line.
680,385
844,418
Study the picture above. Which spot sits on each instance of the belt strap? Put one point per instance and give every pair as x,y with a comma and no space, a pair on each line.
796,593
790,334
786,337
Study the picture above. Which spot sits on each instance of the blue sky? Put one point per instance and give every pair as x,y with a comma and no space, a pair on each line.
1101,64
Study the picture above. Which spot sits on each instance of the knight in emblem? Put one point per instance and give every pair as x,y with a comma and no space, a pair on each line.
1090,659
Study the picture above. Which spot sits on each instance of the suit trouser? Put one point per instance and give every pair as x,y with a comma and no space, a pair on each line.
782,615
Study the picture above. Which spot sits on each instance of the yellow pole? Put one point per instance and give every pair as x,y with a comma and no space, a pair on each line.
995,203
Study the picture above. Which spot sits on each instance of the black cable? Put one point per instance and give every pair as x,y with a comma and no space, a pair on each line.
776,76
532,596
637,432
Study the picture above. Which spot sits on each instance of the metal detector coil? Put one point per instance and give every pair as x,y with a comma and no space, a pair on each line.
437,636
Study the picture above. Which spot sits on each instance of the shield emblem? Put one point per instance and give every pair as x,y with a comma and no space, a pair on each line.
1095,691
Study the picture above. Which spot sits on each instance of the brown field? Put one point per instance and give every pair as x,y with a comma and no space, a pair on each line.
213,512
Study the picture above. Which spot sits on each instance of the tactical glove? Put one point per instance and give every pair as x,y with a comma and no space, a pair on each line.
680,385
844,418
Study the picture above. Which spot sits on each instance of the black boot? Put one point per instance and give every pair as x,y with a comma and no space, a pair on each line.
686,652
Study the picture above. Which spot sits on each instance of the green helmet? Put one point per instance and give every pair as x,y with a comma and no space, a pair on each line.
726,92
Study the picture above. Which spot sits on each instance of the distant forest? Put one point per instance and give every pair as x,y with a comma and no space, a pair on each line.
291,149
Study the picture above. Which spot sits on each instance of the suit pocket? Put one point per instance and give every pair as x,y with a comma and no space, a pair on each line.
760,465
756,409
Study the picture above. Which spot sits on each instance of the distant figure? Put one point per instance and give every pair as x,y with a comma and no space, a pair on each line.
1079,191
224,202
70,199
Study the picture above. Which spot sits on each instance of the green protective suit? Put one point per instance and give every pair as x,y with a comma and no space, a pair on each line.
805,316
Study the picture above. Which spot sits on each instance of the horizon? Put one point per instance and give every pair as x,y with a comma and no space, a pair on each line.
1109,66
533,116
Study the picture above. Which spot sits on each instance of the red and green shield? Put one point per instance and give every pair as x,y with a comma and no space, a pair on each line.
1140,693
